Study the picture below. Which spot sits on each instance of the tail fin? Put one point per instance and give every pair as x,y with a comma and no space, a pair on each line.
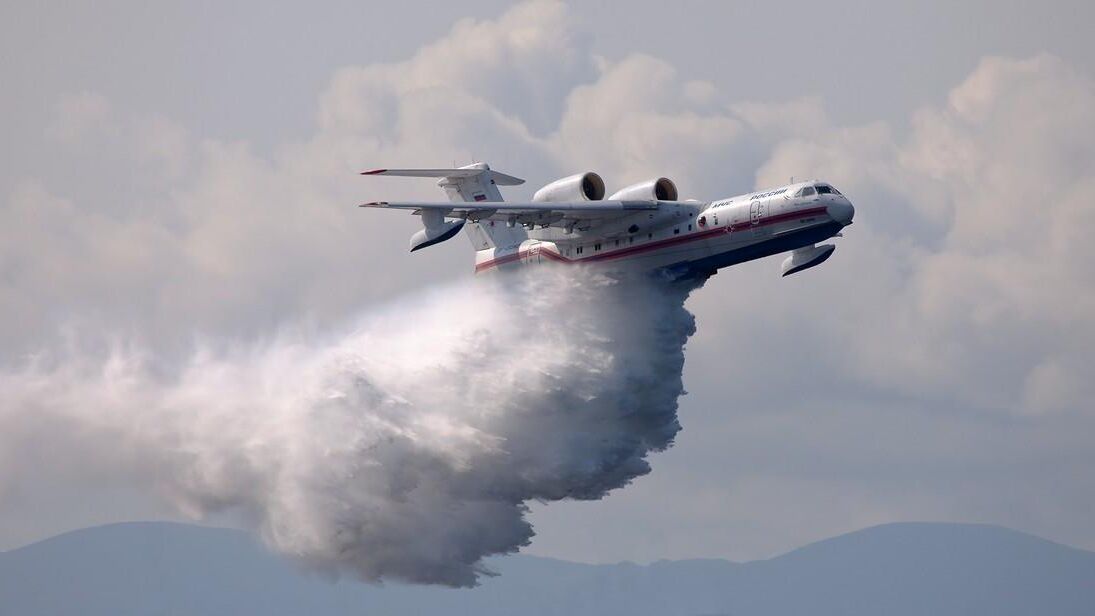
471,183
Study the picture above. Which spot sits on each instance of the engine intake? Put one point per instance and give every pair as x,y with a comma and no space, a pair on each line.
660,189
586,186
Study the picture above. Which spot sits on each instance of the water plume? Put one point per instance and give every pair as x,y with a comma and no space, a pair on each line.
405,447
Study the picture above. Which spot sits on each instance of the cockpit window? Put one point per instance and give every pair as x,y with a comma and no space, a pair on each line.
806,192
824,190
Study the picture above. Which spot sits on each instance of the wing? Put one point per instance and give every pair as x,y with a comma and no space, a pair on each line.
541,213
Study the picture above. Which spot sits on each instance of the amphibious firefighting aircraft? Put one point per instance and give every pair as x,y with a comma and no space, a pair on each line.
641,227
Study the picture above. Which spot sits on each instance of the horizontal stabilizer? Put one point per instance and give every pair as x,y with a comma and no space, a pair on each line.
500,179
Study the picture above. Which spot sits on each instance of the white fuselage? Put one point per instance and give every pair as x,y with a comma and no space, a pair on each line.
689,237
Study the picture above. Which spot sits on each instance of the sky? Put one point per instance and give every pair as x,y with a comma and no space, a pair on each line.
181,172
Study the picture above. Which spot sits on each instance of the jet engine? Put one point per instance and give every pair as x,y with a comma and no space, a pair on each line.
586,186
659,189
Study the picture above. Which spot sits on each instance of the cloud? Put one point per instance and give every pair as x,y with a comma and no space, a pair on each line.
519,66
199,235
969,235
77,115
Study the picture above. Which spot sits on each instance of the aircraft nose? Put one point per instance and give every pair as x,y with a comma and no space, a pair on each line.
841,211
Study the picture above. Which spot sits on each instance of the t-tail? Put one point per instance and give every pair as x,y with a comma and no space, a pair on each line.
469,184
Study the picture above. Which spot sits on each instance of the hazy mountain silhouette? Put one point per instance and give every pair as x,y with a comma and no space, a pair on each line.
896,569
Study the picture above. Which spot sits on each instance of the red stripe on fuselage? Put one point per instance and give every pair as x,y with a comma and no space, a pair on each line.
672,241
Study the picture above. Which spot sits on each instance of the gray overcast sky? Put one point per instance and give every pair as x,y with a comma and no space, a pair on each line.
935,368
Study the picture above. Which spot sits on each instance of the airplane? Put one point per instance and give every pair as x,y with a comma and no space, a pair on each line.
643,227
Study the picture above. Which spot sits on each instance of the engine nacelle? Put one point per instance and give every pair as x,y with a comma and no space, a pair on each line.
586,186
659,189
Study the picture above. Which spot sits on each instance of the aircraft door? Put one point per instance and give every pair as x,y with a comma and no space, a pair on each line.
533,252
529,252
758,208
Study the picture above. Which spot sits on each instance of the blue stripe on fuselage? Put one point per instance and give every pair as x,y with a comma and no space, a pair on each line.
767,248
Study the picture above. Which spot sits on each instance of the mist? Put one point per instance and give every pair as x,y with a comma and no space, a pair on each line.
402,446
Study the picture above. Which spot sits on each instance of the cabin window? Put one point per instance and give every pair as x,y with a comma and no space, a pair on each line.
617,242
579,250
689,227
649,236
677,231
596,247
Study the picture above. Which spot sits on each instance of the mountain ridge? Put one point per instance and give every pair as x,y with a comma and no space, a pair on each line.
899,568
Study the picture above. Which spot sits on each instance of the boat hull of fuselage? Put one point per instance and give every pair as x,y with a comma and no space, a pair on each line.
699,253
746,251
